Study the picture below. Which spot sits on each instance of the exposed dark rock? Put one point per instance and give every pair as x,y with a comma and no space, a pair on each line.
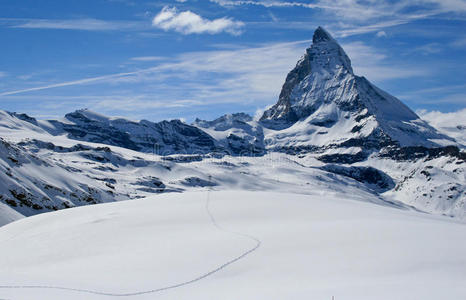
340,158
414,153
376,179
197,182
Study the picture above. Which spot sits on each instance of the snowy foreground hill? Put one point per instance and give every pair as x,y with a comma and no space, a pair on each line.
235,245
339,189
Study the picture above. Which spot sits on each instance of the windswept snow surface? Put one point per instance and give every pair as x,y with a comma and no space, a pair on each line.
312,247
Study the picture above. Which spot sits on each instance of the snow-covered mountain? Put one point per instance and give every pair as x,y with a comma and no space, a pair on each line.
329,127
323,104
167,137
238,133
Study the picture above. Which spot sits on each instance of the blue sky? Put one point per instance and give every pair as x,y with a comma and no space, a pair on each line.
184,59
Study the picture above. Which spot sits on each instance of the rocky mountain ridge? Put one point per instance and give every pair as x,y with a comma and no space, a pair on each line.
328,125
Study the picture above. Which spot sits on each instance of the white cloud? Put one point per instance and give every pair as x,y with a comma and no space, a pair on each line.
452,124
358,9
362,16
373,64
248,75
346,8
244,74
187,22
381,34
440,119
377,26
448,5
76,82
75,24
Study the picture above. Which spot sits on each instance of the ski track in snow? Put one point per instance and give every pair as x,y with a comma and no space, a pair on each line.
205,275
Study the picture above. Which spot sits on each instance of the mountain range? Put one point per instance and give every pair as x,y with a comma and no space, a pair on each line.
329,127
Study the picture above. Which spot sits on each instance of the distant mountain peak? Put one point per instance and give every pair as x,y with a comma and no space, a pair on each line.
86,114
224,121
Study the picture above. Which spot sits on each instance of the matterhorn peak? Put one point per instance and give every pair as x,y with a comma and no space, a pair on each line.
321,35
326,53
324,95
323,61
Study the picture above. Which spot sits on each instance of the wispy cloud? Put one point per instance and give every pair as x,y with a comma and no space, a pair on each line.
346,8
359,16
427,49
344,30
187,22
148,58
253,70
139,102
134,106
452,123
376,66
87,24
459,98
236,75
459,43
358,9
76,82
446,95
441,89
3,74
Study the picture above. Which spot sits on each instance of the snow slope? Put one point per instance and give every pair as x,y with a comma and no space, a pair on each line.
311,247
8,214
